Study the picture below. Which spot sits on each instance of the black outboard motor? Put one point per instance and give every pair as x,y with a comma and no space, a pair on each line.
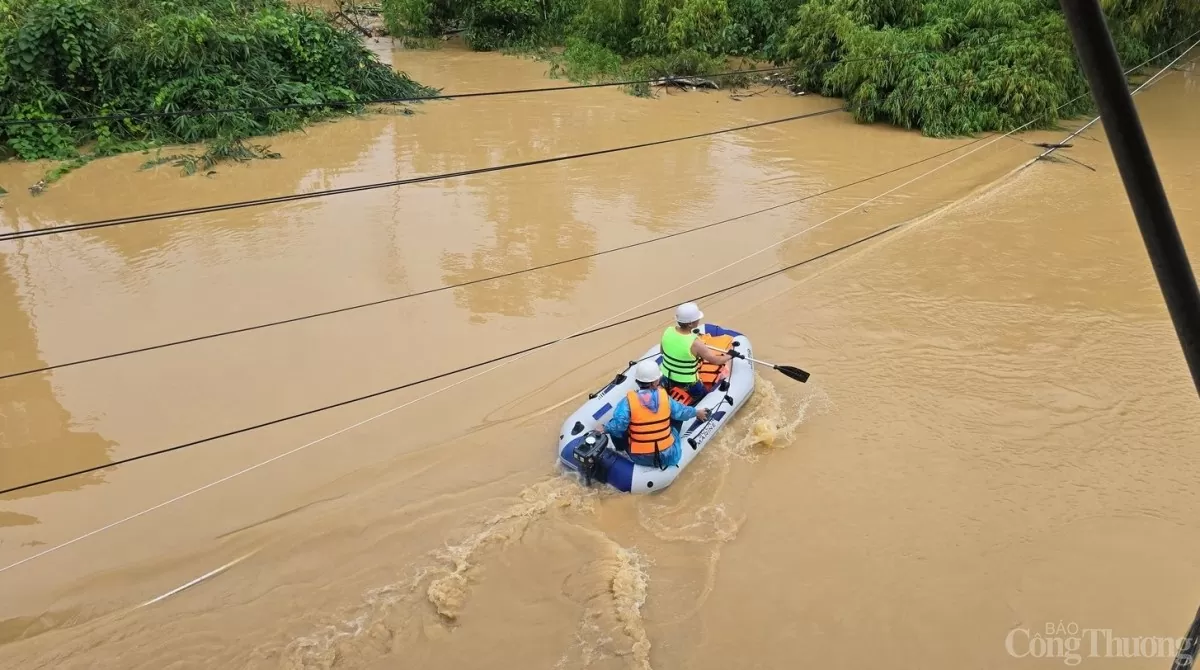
594,455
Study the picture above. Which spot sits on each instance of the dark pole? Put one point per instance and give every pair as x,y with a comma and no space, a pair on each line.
1187,649
1102,66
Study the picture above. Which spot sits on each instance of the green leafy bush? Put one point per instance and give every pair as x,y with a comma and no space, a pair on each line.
588,61
755,25
699,25
952,66
417,18
585,61
612,24
956,66
631,28
72,58
492,24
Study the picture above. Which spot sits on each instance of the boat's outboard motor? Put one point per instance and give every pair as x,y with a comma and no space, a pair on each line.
594,455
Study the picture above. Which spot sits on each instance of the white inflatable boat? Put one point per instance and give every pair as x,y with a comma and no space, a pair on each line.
594,456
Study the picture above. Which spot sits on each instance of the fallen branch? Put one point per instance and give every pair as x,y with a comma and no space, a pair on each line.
685,82
742,96
1052,145
344,14
364,31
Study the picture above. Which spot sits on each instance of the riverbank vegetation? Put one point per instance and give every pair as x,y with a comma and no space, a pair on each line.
86,58
946,67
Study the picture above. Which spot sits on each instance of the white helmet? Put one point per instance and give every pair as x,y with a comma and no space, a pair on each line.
647,371
688,312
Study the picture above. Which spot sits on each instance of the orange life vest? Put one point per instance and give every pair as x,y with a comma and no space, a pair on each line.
649,432
680,393
709,373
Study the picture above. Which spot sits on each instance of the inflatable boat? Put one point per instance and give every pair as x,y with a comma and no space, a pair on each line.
594,456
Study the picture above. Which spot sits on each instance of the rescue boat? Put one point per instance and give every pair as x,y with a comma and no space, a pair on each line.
594,456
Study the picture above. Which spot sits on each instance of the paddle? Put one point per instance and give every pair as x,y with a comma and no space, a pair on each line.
785,370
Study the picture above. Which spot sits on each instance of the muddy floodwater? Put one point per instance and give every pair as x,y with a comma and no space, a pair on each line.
995,455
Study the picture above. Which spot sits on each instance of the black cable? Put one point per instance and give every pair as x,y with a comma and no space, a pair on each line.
442,375
490,277
480,94
140,218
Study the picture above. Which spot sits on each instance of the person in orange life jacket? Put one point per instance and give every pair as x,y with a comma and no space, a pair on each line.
684,352
647,420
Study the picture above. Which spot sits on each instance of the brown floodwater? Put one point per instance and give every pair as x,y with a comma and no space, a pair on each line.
999,433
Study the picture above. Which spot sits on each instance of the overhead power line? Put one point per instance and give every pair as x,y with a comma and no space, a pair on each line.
442,375
489,278
294,197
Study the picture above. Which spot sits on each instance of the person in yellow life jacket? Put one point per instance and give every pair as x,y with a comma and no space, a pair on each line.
683,352
645,423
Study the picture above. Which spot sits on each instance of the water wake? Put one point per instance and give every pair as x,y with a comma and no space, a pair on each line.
448,591
610,588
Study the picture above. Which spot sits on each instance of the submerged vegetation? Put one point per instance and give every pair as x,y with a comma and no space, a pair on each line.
89,58
946,67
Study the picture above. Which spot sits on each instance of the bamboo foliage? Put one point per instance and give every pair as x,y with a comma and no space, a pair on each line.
82,58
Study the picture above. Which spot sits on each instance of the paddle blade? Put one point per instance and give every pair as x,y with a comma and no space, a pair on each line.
795,373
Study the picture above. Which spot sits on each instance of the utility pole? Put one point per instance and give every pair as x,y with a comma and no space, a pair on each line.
1102,66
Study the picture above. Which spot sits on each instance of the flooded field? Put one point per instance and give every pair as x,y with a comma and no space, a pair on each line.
999,433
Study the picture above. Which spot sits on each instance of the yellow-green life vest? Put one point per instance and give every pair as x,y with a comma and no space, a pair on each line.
679,363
